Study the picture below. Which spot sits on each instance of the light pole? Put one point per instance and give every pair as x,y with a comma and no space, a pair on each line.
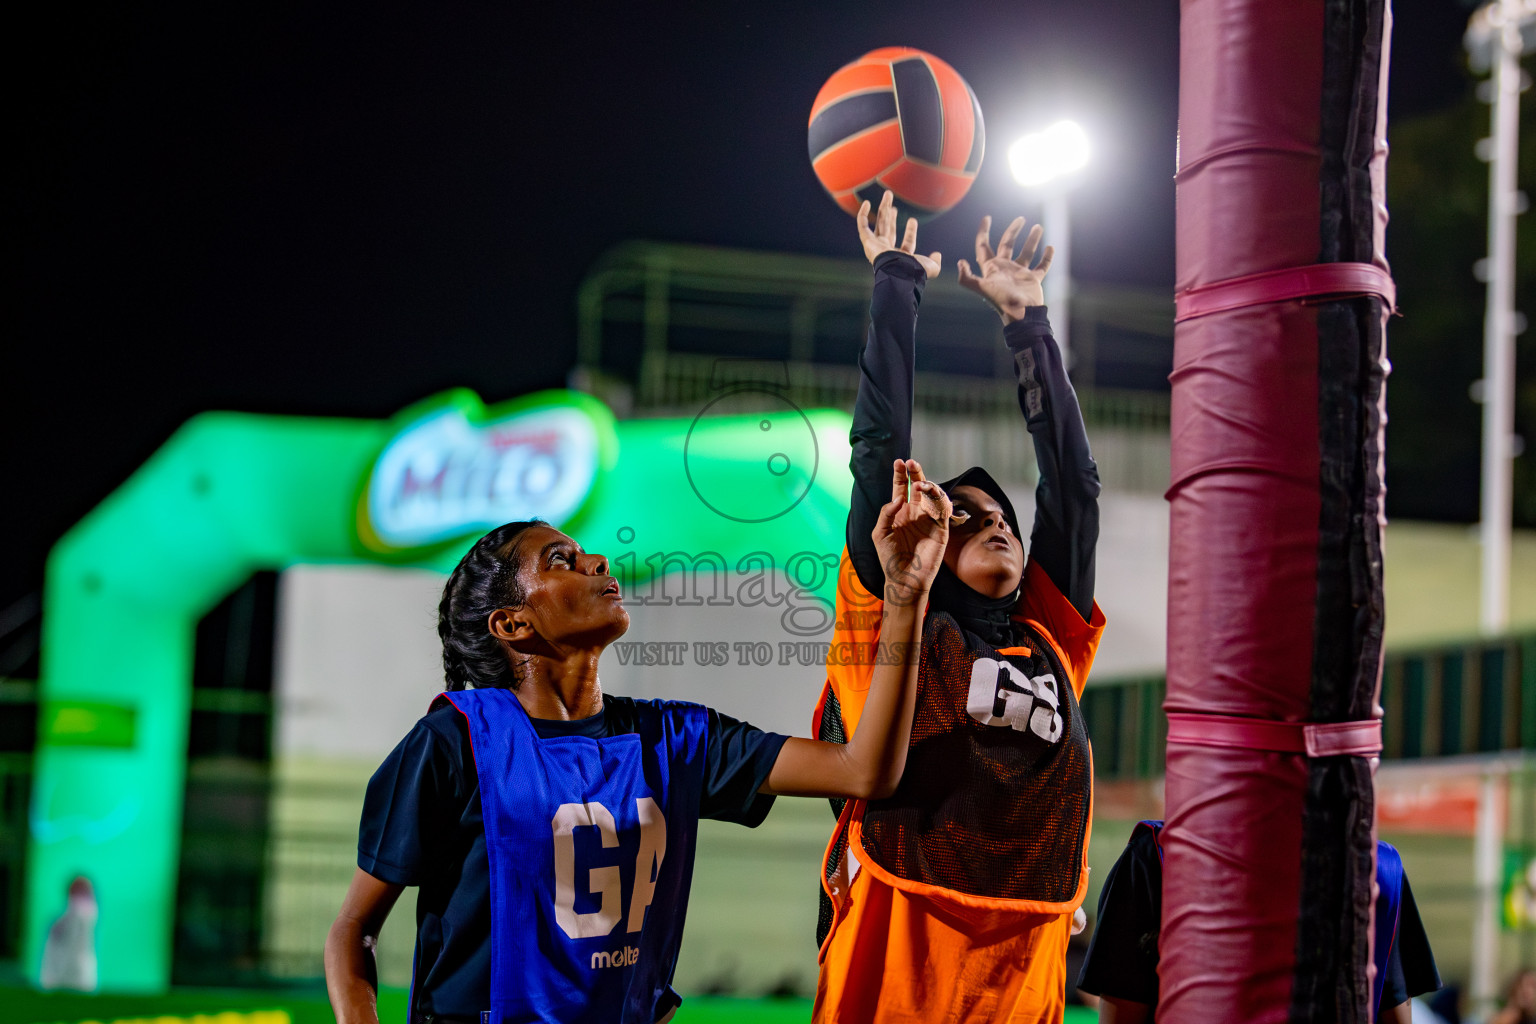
1045,160
1497,35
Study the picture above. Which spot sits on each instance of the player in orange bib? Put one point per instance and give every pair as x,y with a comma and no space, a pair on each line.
953,899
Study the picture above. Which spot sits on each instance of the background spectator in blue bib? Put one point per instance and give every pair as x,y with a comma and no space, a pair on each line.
1121,967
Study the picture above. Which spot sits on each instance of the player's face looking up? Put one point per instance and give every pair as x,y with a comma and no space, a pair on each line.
569,599
983,553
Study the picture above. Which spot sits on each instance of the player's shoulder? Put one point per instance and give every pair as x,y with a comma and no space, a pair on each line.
1146,842
447,730
438,741
627,714
443,722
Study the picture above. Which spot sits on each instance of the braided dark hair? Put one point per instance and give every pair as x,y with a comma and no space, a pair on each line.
484,580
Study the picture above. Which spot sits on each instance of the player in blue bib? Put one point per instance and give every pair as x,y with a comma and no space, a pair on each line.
549,827
1121,966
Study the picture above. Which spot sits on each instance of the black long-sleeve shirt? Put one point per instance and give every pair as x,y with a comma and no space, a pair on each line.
1066,527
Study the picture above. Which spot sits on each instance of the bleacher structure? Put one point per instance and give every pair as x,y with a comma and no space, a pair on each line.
663,328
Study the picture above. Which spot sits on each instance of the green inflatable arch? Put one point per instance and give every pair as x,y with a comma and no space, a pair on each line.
230,494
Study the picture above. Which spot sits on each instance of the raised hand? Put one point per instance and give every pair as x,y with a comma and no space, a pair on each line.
1009,284
882,236
911,533
910,537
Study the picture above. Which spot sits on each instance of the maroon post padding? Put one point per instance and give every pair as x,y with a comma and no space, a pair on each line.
1245,506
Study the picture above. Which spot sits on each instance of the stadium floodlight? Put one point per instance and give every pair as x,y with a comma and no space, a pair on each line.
1046,160
1042,157
1497,35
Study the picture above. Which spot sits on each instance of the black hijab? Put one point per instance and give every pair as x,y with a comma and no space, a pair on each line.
987,617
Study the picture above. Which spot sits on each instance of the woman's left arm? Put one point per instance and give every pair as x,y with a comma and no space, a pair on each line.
910,536
1065,537
1066,530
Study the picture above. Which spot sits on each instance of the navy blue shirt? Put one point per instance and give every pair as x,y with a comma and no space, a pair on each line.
421,826
1122,959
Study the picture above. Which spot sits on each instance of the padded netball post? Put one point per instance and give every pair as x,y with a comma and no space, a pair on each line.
1274,595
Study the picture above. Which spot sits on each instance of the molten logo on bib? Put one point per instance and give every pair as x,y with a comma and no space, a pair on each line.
618,958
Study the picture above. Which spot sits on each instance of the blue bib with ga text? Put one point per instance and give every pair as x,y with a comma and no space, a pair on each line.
590,844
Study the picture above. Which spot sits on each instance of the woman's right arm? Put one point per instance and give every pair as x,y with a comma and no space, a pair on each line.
351,967
408,812
882,412
910,535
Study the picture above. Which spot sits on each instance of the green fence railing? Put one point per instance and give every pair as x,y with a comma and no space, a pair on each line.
1473,697
1125,721
687,380
954,413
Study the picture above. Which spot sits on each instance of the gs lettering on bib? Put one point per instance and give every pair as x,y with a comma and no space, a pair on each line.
997,793
1001,694
590,844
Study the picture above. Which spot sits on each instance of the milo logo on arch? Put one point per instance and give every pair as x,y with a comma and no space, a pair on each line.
455,467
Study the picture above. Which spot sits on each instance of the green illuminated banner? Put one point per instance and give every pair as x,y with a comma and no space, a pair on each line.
80,723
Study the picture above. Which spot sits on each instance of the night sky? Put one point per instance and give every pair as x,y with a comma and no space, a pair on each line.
317,209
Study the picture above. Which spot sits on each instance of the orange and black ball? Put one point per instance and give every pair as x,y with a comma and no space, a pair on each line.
898,119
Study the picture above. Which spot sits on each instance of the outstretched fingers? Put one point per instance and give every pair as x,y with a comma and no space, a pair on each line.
886,521
908,481
927,495
909,238
984,242
1031,243
1010,238
899,479
1045,261
861,218
911,532
885,220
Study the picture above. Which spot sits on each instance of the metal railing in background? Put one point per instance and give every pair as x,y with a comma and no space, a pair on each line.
311,856
686,380
667,330
1470,698
1126,724
972,420
645,304
1474,697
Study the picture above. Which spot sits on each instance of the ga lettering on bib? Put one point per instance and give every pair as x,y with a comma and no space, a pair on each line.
591,845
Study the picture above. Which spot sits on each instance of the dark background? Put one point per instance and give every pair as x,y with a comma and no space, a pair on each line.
335,210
